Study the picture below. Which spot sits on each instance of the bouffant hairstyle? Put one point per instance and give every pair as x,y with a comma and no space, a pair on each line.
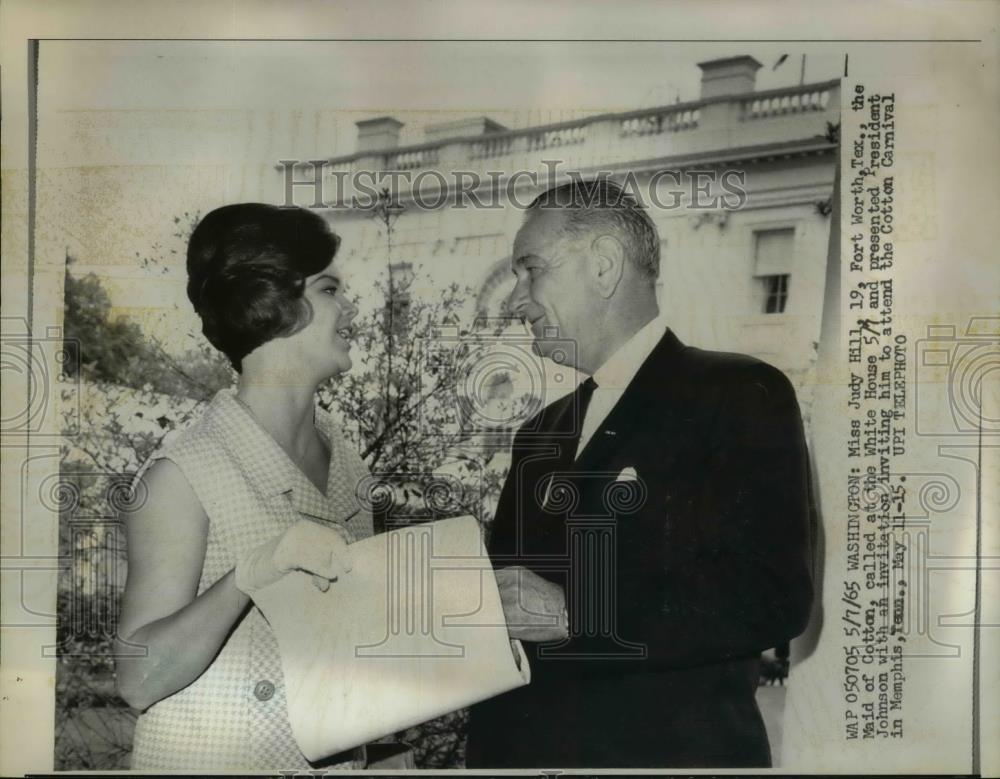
247,265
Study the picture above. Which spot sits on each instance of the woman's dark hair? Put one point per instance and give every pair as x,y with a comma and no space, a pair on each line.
247,265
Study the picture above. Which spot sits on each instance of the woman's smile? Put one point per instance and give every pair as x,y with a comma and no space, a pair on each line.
347,331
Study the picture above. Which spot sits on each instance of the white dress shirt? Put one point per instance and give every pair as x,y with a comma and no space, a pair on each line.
616,374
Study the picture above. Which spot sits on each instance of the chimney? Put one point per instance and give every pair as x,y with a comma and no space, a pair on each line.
729,76
479,125
377,134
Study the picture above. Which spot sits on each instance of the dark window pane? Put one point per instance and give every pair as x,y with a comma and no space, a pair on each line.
776,293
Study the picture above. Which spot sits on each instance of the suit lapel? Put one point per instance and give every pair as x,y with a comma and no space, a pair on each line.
643,430
644,411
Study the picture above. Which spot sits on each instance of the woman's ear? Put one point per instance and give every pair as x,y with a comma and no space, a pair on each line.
609,264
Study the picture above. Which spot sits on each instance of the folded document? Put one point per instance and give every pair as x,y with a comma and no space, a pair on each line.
414,631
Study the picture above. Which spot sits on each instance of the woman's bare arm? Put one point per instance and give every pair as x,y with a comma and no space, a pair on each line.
167,633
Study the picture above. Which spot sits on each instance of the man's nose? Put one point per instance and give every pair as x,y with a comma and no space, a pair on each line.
517,301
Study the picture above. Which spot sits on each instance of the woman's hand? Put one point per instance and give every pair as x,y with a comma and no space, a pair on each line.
321,550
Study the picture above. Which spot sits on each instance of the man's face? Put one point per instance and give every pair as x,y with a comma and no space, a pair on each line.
553,292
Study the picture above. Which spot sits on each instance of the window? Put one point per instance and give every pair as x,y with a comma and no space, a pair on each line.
773,258
776,293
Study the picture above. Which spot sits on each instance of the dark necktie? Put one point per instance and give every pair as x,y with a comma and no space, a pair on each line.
575,415
518,497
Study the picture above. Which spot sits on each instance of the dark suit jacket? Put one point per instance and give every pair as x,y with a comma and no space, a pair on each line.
675,583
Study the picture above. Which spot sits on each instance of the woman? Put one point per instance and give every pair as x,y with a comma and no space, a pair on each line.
261,485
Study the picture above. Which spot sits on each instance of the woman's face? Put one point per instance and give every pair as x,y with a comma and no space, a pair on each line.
325,343
317,351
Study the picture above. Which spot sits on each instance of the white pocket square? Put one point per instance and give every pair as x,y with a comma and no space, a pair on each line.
628,474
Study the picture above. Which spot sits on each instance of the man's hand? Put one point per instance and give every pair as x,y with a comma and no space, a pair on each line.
535,609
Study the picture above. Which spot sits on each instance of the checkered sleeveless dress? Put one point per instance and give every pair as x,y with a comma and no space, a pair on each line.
234,716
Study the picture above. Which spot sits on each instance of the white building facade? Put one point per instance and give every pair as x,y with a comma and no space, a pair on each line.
737,273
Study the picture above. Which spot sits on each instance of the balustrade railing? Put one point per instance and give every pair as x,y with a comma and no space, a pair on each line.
781,104
794,103
411,160
662,122
561,136
491,147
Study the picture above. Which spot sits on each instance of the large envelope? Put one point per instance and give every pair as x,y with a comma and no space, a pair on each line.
414,631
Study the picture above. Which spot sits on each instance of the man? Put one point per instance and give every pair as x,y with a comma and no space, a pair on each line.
652,535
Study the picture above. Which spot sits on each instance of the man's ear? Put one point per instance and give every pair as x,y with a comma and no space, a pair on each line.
609,264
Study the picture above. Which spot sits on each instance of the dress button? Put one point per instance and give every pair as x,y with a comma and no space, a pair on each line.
264,690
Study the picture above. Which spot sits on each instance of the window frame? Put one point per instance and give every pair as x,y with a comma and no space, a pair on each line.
764,280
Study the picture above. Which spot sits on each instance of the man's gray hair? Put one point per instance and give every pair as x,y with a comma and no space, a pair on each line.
600,204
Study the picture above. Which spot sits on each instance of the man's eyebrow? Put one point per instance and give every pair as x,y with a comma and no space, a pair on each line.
523,258
325,277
